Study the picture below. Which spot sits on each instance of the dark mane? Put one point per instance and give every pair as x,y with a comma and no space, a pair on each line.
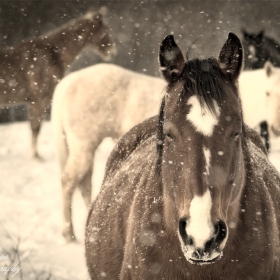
205,80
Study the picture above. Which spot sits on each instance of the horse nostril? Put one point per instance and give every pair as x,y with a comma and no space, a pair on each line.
182,228
197,254
209,244
221,232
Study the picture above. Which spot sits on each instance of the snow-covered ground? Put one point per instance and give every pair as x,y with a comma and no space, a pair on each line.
30,206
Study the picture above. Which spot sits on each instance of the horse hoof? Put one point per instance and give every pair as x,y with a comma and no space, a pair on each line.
69,238
38,158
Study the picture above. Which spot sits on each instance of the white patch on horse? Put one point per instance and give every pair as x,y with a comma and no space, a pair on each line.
207,155
202,119
200,226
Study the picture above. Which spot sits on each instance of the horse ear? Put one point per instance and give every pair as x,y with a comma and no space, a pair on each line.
231,57
268,68
245,34
171,59
260,35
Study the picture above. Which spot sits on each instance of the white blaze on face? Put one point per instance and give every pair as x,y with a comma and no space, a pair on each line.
200,226
207,155
201,118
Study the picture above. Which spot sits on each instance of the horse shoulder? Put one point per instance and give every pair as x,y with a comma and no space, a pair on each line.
255,138
117,206
128,143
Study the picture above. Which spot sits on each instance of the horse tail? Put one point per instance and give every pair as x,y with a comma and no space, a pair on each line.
60,138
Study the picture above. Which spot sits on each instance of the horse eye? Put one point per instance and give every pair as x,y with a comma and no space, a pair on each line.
235,135
169,136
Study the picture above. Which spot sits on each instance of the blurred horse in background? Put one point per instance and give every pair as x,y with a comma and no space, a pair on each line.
30,70
99,101
260,95
258,49
189,194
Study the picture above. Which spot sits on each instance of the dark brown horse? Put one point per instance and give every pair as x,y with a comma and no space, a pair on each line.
204,204
30,70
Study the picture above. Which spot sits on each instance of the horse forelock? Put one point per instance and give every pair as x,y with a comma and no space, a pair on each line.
204,79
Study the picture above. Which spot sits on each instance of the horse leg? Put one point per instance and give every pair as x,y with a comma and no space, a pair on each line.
68,188
84,184
36,117
265,134
77,173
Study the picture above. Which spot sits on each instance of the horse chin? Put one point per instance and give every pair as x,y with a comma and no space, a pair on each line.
204,261
207,258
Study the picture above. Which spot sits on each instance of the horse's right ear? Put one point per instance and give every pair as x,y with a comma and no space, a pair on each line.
268,68
245,34
171,59
231,57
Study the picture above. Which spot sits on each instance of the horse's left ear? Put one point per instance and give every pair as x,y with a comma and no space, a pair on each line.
260,35
231,57
171,59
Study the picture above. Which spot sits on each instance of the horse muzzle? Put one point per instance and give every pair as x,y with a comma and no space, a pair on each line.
212,249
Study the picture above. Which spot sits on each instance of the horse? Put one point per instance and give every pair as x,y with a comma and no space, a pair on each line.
259,90
190,193
30,70
104,100
258,49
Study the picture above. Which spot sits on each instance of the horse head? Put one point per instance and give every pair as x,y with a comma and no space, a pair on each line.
272,87
200,147
98,37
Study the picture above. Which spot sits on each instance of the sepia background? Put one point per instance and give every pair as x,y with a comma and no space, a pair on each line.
138,27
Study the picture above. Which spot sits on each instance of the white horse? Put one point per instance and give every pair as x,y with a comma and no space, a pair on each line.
100,101
260,95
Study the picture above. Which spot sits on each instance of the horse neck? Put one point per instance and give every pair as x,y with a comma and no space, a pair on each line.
70,41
